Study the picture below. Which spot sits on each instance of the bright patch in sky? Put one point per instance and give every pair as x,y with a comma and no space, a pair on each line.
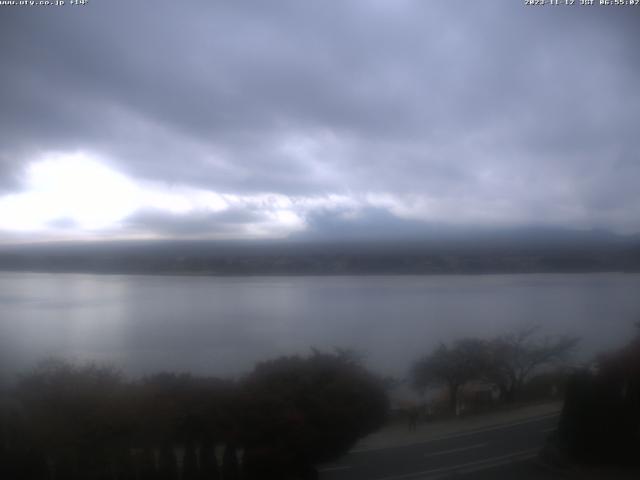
78,193
81,192
72,189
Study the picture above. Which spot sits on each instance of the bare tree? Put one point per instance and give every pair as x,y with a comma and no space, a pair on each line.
450,366
512,358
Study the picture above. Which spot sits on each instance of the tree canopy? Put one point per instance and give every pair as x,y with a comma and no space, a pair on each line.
513,358
287,415
306,410
507,361
451,366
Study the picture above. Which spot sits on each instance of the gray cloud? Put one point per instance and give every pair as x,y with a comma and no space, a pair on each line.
9,179
200,223
63,223
368,223
451,109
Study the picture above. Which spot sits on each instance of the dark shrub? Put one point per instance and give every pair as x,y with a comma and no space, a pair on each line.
302,411
600,422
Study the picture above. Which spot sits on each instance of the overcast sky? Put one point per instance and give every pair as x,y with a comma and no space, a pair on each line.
246,119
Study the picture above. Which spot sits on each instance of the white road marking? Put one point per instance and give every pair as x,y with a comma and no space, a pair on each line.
454,450
468,467
461,434
334,469
525,455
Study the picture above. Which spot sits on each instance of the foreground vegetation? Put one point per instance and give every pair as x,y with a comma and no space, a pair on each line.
68,421
506,363
600,421
63,421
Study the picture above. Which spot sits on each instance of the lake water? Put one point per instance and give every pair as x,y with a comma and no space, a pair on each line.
222,325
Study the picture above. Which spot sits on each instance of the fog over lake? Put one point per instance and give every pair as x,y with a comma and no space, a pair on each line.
222,325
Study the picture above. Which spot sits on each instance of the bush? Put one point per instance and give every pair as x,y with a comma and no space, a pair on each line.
600,422
302,411
288,415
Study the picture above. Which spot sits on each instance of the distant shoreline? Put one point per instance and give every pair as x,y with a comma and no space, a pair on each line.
462,256
322,274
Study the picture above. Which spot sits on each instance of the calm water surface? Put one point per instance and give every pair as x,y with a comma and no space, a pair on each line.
223,325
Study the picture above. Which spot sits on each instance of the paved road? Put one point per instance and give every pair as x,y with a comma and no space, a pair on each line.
506,451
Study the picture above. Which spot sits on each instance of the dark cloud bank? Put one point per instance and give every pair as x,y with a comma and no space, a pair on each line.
417,113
